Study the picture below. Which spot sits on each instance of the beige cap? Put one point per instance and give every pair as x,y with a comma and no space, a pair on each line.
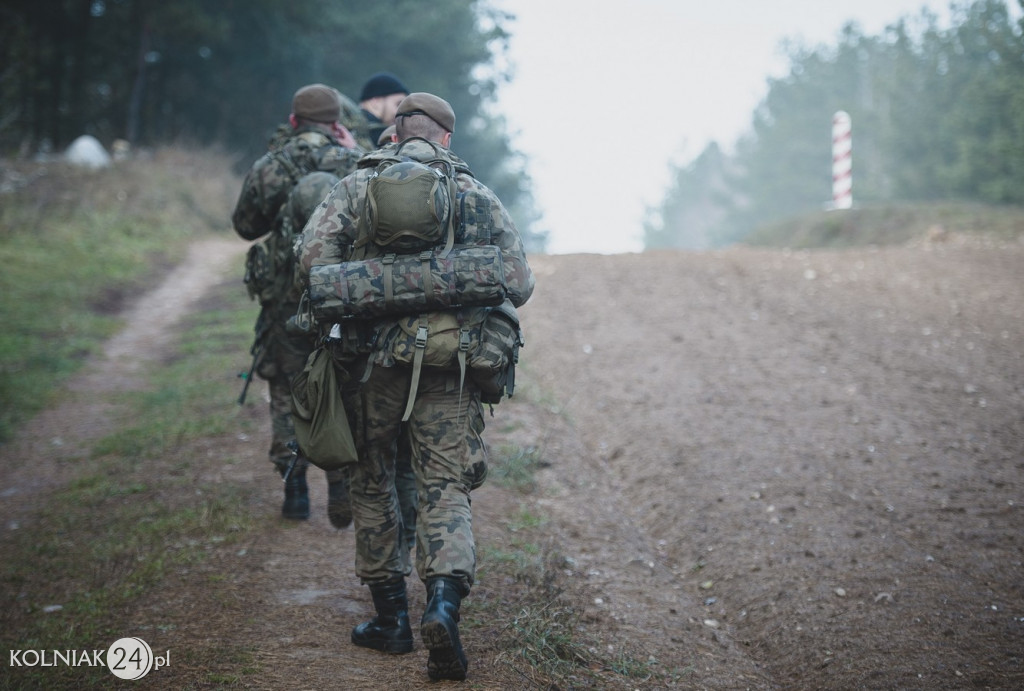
434,107
385,136
317,102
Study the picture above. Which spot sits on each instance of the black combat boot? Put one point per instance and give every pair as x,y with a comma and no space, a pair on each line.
390,630
296,495
339,505
439,629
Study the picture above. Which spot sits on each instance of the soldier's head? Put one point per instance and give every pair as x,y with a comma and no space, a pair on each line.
425,115
321,106
316,104
381,95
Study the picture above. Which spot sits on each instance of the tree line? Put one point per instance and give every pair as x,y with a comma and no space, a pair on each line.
223,73
938,114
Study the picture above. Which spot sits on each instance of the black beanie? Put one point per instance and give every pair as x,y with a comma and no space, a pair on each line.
382,84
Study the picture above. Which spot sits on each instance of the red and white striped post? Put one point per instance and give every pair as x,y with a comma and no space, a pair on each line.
842,163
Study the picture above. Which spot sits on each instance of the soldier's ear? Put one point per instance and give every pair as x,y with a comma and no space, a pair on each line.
293,121
446,140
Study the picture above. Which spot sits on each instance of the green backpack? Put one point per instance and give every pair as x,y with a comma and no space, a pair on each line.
270,263
409,216
410,205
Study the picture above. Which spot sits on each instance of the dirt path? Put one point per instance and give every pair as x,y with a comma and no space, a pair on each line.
63,433
767,469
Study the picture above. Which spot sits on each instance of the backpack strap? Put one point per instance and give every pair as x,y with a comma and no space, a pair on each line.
417,365
452,196
388,260
293,170
463,353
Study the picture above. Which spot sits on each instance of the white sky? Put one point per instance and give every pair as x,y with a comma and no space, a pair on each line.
607,95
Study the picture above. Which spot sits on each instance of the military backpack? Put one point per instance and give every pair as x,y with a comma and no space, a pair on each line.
269,264
448,303
410,204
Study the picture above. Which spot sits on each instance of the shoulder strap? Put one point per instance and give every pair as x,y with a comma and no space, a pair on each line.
422,332
310,140
294,172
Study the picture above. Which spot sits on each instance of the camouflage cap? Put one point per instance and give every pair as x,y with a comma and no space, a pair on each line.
317,102
434,107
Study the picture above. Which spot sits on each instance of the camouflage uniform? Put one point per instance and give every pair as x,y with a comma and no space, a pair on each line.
444,430
261,209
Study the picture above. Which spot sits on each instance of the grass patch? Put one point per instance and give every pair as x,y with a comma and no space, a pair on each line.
76,245
890,224
514,467
541,640
543,634
132,512
185,403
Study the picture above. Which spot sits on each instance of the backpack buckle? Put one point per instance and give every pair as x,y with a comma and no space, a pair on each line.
421,336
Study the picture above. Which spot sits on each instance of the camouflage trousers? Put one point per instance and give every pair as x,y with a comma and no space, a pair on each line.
448,460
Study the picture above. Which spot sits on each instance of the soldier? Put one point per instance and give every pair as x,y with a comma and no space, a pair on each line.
445,423
317,142
378,100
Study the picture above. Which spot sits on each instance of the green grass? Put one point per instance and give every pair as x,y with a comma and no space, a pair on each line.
75,246
890,224
127,518
514,467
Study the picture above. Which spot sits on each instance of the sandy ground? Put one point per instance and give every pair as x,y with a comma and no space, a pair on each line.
766,469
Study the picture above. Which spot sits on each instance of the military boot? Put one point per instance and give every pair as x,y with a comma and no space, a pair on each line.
439,629
390,630
339,505
296,495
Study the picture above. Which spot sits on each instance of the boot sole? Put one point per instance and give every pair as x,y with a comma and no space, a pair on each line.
447,659
400,648
340,516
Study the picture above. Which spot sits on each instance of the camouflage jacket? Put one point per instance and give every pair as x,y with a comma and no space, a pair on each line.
267,184
481,219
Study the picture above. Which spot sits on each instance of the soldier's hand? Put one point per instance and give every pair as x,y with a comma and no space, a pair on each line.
344,136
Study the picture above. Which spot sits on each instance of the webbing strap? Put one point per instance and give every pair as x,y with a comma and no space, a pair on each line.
342,287
389,277
450,240
463,351
428,281
367,372
417,365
